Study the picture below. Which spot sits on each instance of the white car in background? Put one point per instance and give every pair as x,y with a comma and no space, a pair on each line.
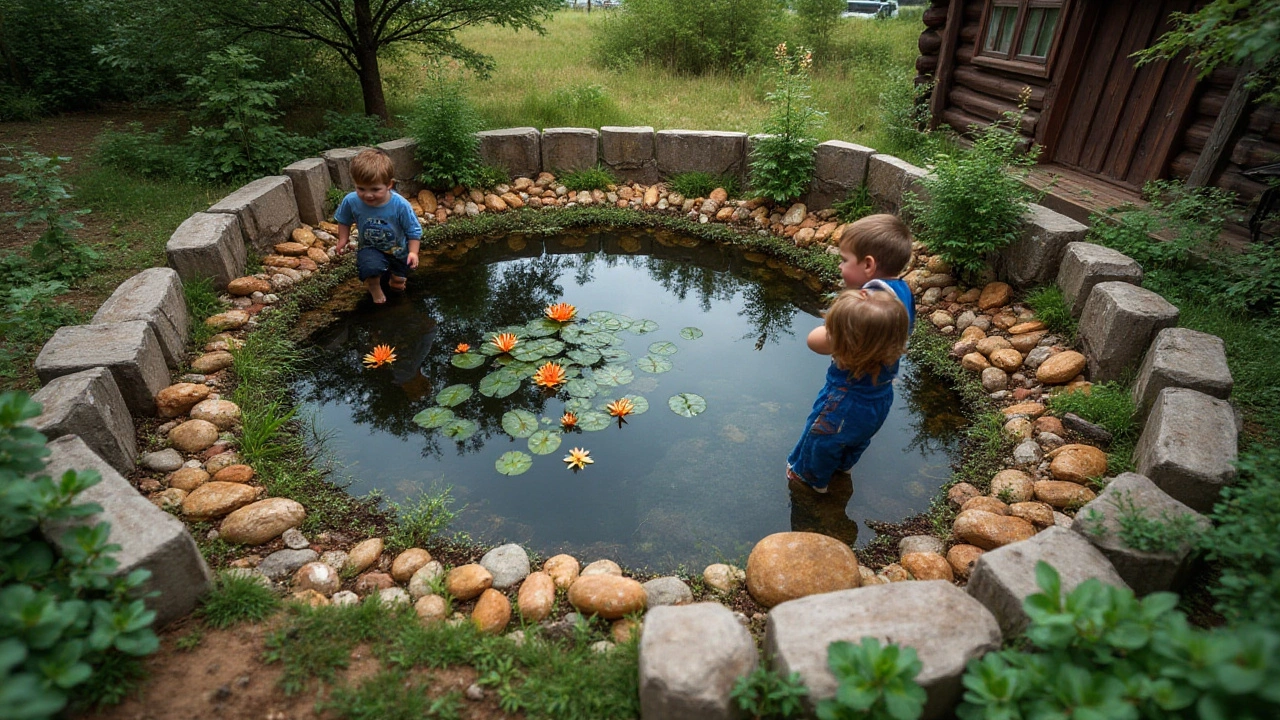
871,9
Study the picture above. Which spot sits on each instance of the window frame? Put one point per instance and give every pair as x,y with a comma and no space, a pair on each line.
1011,60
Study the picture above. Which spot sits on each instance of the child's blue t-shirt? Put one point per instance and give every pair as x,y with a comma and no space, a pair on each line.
886,376
387,228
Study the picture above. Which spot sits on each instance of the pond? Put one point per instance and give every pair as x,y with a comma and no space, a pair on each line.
707,340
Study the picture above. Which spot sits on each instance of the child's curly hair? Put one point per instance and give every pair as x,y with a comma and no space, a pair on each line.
868,331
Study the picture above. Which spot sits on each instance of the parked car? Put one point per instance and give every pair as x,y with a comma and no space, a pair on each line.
871,9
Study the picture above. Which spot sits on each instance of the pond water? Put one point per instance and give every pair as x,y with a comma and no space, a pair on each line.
666,489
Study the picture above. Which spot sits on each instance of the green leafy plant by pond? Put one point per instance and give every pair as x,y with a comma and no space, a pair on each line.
875,682
767,695
698,184
1245,540
782,160
445,124
596,178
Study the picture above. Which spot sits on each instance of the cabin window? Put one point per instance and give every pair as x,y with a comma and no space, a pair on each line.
1020,35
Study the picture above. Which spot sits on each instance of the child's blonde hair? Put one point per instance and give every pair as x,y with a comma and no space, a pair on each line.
372,167
883,237
868,331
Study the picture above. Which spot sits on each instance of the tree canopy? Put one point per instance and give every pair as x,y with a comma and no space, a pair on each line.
1228,32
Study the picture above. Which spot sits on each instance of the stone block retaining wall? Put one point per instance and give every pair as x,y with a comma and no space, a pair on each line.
97,374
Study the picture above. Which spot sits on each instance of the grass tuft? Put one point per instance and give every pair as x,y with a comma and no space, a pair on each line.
202,302
596,178
421,518
1109,405
236,599
1051,309
700,184
392,695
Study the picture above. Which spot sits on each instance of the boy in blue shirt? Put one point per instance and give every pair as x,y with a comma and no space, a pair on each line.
389,233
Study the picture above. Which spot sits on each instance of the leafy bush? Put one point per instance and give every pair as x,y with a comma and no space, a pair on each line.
976,197
782,160
1111,406
144,154
46,50
700,184
876,683
1245,540
17,105
817,20
596,178
766,695
904,119
723,35
41,192
855,206
1051,309
63,614
489,175
445,125
351,130
1099,652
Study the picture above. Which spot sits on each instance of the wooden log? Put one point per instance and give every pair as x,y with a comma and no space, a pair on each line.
990,108
969,32
935,17
1262,120
927,64
1183,164
973,10
1223,127
1197,133
960,121
946,60
1210,103
985,81
964,55
1231,179
1223,76
1251,151
929,43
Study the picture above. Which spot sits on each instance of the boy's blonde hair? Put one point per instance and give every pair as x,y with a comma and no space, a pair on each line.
867,330
883,237
372,167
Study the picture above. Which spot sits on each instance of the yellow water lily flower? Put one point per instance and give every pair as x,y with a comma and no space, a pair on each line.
578,459
381,355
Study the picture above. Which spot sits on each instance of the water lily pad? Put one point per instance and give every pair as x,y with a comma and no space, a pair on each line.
581,387
543,327
577,405
459,429
519,423
549,347
640,403
454,395
499,384
544,442
513,462
642,327
600,316
571,333
593,420
663,348
611,375
687,404
584,356
655,364
524,353
521,369
467,360
489,349
433,417
690,333
615,354
601,339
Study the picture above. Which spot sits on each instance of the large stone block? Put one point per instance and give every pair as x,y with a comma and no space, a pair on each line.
690,658
516,150
709,151
89,404
839,168
311,183
1004,577
629,153
569,149
1184,358
266,208
1188,446
1145,571
888,178
1035,257
155,297
946,628
1118,324
404,158
338,160
1085,265
148,537
128,349
207,245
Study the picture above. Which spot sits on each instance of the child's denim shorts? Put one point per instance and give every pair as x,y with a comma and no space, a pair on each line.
373,263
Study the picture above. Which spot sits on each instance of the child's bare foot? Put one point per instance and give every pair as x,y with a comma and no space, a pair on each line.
379,298
397,282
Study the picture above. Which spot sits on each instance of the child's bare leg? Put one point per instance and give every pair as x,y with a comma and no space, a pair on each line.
397,282
374,285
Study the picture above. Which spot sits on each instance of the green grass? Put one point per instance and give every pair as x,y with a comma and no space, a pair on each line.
700,184
202,302
419,519
392,695
1051,308
1111,406
237,599
596,178
1253,344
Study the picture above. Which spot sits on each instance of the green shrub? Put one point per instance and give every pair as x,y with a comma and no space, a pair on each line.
351,130
236,599
445,125
18,105
488,176
766,695
976,197
723,35
39,190
140,153
817,20
1100,653
1164,534
1245,540
876,683
904,119
855,206
596,178
1051,309
420,519
699,184
63,614
782,160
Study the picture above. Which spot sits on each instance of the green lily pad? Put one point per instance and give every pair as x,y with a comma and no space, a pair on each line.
459,429
499,384
577,405
433,417
655,364
642,327
467,360
520,369
490,349
663,348
544,442
513,462
571,333
687,404
593,420
543,327
549,347
600,339
641,404
600,316
584,356
526,354
581,387
519,423
690,333
611,375
615,354
454,395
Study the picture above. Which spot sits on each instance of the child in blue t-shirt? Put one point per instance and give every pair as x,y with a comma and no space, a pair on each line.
865,332
389,232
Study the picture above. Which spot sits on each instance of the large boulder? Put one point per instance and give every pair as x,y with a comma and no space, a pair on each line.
628,152
1188,446
155,297
262,521
129,350
709,151
690,658
1117,326
89,404
266,209
207,246
790,565
311,183
1182,358
1085,265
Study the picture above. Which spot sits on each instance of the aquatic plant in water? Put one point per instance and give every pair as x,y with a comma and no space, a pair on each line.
381,355
568,421
561,312
550,375
505,342
578,459
461,348
620,408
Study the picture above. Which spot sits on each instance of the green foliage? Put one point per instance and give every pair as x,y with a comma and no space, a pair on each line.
596,178
1098,652
17,105
490,175
782,160
1245,540
581,105
904,119
1164,534
976,197
202,302
420,519
699,184
1051,309
877,683
317,642
343,130
237,598
445,125
39,189
724,35
47,63
63,613
392,695
817,20
766,695
140,153
855,206
1110,405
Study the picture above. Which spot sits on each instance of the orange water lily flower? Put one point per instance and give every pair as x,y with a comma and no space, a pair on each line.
568,421
381,355
620,408
578,459
505,342
462,347
549,375
561,312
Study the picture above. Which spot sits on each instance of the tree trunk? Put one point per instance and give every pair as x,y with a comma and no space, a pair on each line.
375,103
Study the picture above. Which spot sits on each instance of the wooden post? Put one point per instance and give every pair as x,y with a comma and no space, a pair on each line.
946,61
1223,128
